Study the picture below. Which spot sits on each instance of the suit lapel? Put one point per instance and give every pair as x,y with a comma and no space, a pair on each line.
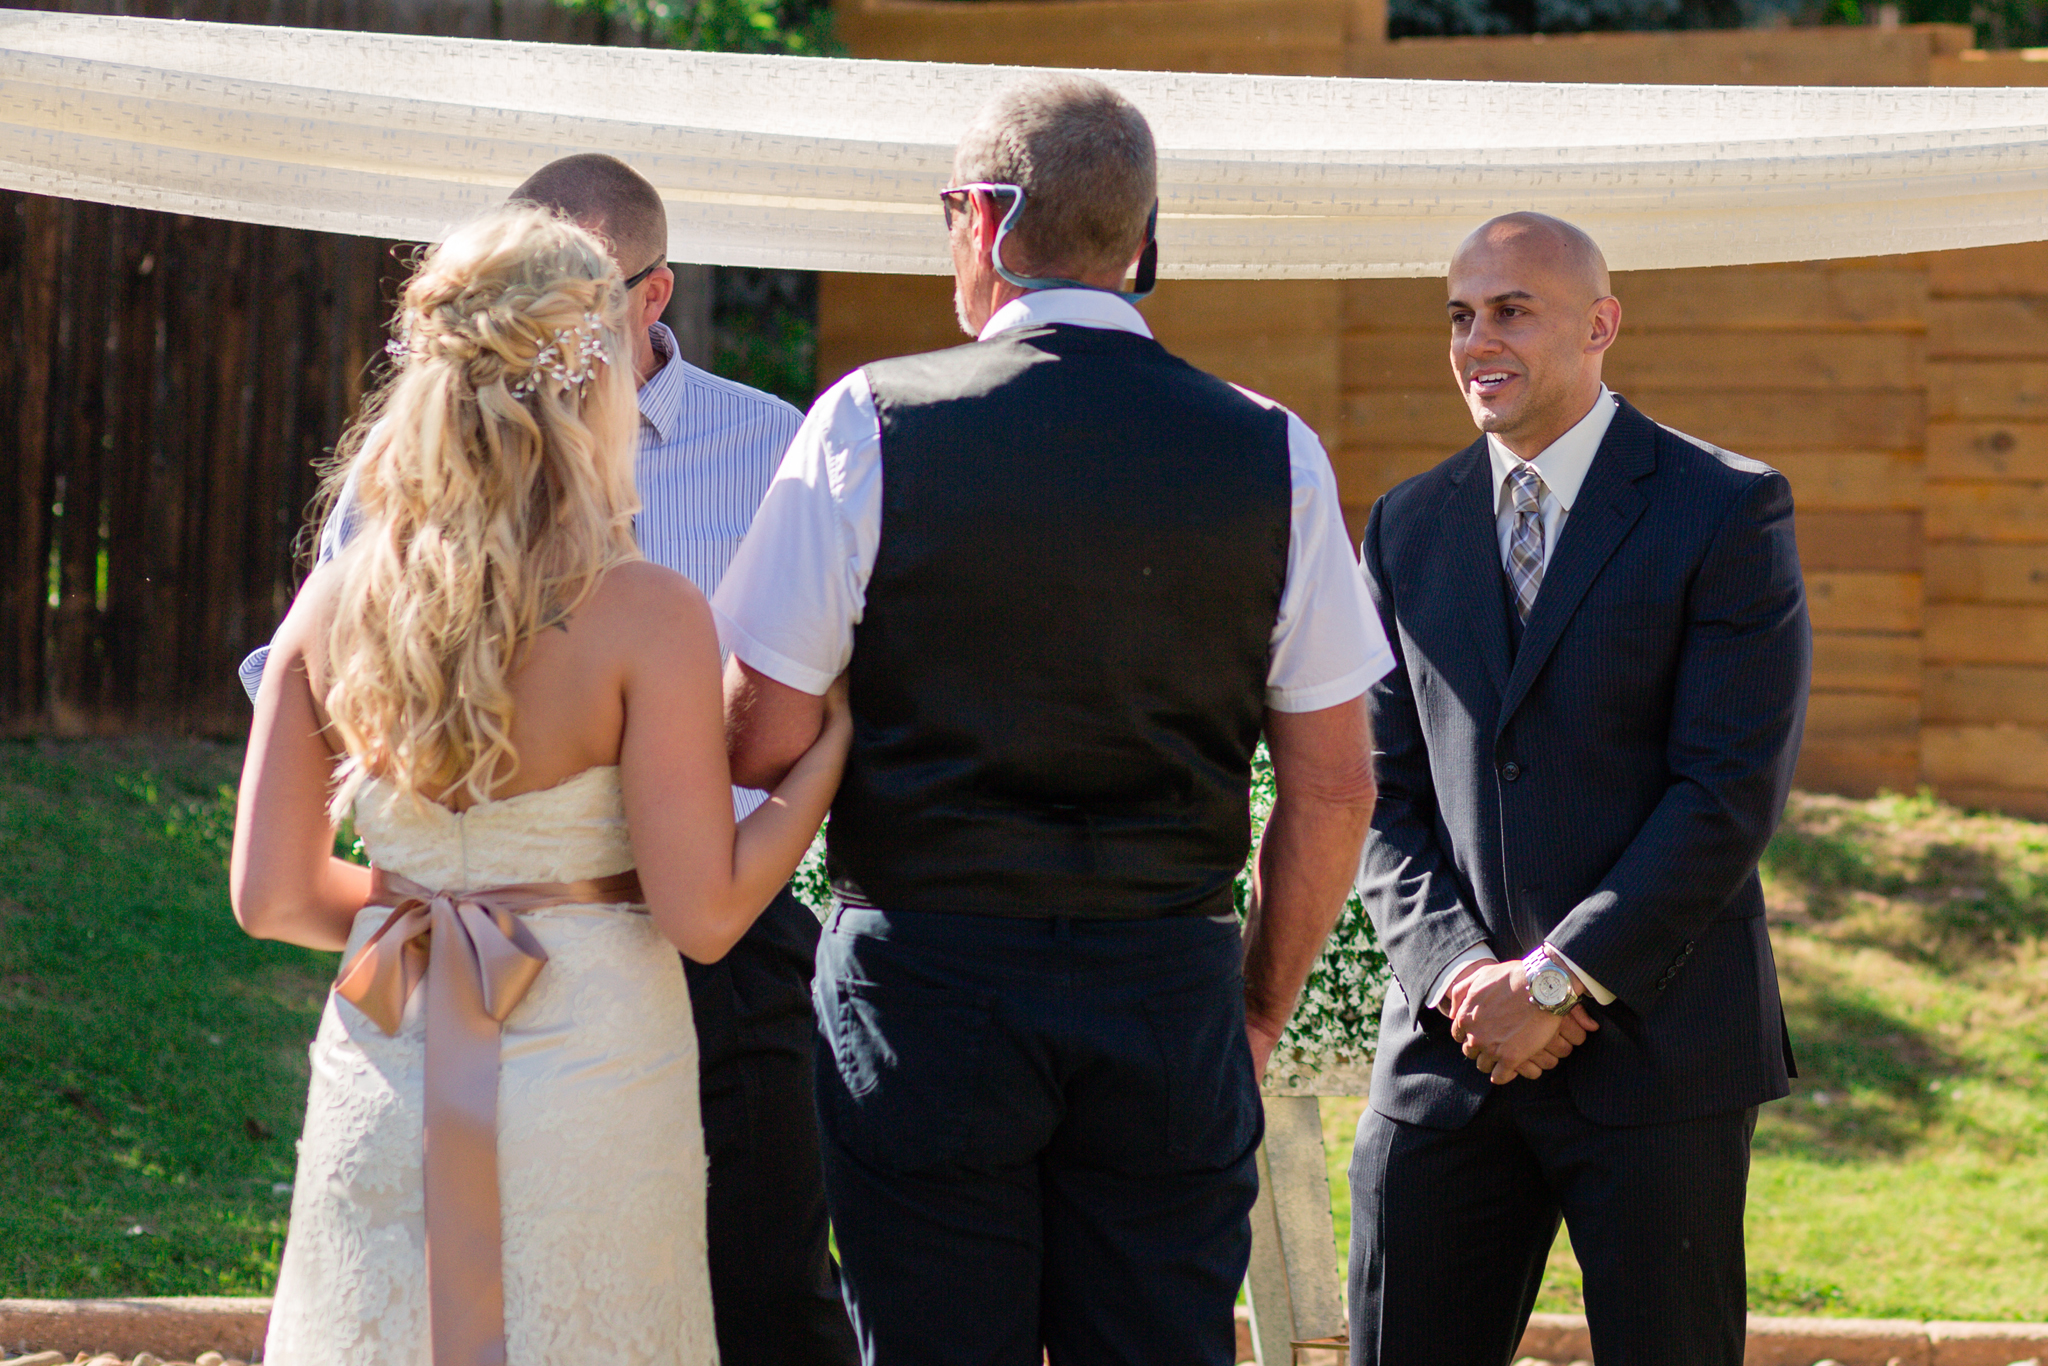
1608,505
1472,560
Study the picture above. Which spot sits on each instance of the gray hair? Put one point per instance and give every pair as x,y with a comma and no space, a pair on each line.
1084,158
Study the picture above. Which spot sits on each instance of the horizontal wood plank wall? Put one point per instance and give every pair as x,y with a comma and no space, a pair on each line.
1911,419
1298,37
1276,37
1976,67
1277,337
1818,370
1281,338
1985,740
1814,56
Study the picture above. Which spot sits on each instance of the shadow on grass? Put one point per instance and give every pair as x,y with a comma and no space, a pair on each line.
1827,866
1975,896
1967,899
1869,1079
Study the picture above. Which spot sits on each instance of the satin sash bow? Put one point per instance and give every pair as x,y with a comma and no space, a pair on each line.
482,962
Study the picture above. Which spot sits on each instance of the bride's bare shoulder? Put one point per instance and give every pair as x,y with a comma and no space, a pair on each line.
305,626
641,584
641,597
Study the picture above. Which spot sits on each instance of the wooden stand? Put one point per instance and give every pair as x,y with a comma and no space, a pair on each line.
1292,1281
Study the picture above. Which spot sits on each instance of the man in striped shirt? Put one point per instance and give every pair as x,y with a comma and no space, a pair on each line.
708,448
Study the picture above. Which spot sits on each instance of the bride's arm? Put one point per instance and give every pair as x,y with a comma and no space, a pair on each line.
705,879
283,878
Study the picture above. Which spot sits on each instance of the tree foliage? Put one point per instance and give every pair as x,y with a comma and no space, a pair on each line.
800,28
1999,23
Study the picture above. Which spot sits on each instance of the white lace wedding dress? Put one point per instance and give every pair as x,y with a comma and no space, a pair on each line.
600,1151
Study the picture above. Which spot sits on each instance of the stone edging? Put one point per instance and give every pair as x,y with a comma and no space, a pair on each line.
1563,1338
186,1327
170,1328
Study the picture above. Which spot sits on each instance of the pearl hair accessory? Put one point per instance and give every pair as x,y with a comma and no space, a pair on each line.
569,358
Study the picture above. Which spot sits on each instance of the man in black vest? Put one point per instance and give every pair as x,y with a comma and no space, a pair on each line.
1072,581
1604,661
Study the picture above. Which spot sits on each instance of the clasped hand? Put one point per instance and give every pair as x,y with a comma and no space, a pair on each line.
1505,1033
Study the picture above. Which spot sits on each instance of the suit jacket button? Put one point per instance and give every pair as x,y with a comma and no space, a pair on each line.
1510,770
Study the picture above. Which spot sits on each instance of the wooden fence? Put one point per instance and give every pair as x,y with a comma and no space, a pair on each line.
171,382
1816,369
176,379
1984,699
1905,397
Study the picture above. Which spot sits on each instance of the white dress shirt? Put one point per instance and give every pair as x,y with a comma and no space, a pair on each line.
708,448
798,586
1562,465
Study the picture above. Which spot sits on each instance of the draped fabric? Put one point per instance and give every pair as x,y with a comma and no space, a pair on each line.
830,164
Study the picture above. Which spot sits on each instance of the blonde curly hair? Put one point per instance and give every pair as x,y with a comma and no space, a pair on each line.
494,483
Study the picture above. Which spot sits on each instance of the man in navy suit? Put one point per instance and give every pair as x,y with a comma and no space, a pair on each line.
1587,741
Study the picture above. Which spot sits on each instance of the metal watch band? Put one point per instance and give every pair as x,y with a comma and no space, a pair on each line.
1538,960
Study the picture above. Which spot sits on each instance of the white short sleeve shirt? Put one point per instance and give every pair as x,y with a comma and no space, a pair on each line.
797,588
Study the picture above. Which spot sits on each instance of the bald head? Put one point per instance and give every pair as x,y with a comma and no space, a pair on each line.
1549,244
608,197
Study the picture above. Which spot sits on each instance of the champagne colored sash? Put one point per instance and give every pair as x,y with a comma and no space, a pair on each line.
482,962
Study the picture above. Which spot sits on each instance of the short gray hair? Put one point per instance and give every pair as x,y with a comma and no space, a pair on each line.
1084,158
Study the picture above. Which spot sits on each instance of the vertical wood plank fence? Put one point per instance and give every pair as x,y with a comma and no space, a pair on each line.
169,383
175,381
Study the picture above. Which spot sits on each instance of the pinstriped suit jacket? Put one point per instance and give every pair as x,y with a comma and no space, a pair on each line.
1609,785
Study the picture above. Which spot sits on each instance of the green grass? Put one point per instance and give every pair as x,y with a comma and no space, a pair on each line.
1907,1175
152,1057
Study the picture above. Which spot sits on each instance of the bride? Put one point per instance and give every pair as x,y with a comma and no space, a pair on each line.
502,1160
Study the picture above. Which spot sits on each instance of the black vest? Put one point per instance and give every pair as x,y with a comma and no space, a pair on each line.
1059,676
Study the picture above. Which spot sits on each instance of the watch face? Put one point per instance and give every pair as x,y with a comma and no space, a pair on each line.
1550,987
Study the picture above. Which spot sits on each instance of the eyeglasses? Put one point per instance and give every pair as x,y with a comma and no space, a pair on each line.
632,280
1148,260
960,192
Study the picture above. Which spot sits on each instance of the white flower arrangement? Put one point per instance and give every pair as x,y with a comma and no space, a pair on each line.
1328,1046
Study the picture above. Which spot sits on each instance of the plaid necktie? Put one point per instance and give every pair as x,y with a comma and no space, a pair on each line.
1525,545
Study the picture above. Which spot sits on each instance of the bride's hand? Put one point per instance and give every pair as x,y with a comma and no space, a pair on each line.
838,727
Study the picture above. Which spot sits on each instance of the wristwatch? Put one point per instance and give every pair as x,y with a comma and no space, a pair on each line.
1550,985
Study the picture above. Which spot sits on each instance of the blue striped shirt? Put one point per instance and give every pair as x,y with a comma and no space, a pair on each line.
708,449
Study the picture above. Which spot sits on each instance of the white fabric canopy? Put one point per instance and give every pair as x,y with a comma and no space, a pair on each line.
828,164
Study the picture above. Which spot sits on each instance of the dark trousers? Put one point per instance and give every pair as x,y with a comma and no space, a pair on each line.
1450,1229
1040,1136
774,1289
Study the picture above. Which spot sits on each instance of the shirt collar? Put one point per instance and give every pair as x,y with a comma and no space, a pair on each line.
1080,307
661,397
1564,462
